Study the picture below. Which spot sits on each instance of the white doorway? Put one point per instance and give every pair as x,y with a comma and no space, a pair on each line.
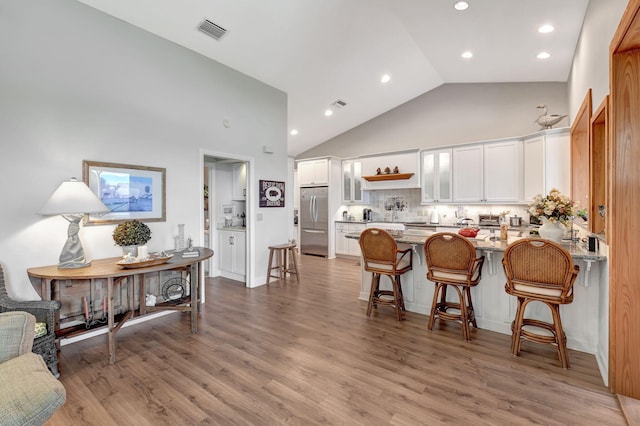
226,224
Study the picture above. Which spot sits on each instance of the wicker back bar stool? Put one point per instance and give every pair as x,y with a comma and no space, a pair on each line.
381,256
451,261
539,270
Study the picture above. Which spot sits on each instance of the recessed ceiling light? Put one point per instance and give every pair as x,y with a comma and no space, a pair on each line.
385,78
467,55
543,55
546,29
294,132
461,5
328,113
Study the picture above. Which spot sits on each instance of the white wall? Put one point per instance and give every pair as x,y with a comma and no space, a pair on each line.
590,67
451,114
79,85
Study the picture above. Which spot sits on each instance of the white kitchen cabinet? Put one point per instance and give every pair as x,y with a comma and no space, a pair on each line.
436,176
313,172
468,174
346,246
239,182
503,171
488,173
547,163
232,252
352,181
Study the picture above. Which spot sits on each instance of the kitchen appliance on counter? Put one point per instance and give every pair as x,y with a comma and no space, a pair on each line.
515,221
489,220
314,221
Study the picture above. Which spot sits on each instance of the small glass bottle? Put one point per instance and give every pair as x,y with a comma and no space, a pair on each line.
504,228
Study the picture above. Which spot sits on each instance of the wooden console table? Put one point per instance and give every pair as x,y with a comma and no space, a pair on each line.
113,273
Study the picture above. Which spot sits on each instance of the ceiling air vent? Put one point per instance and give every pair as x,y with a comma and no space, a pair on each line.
212,30
339,103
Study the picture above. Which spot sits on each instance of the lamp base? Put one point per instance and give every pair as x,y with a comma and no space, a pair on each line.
74,265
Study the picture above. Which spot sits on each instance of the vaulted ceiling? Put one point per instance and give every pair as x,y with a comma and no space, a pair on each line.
319,51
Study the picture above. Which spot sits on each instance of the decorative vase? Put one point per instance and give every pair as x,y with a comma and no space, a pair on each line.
131,251
551,230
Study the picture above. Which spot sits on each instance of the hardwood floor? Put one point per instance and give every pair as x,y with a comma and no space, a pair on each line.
307,354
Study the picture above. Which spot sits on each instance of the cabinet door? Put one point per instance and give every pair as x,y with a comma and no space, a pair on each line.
503,171
225,239
347,181
239,181
354,245
436,176
342,244
468,166
313,172
533,167
357,181
239,253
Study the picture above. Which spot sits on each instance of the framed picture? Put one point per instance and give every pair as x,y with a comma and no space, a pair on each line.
271,193
130,192
228,210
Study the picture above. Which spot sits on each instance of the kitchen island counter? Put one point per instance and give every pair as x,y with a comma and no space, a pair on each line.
585,320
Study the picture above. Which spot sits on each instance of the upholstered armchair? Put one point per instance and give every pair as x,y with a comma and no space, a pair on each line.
29,394
44,311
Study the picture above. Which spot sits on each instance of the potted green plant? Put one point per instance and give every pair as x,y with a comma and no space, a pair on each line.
130,235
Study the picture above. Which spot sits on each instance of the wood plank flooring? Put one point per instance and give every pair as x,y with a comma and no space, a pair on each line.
306,353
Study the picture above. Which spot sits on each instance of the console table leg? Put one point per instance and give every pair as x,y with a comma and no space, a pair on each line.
112,339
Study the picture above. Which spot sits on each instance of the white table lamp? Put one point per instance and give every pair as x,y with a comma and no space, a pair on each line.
72,200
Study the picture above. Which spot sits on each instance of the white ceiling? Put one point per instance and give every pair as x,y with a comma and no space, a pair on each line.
320,50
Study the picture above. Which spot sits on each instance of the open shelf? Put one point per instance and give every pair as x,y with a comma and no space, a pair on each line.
388,176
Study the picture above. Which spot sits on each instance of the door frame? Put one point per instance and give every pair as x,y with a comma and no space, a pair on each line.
250,208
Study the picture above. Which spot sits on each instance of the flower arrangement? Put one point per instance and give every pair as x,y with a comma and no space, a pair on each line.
555,207
131,233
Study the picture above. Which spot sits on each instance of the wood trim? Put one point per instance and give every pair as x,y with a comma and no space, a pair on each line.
390,176
580,152
623,201
598,166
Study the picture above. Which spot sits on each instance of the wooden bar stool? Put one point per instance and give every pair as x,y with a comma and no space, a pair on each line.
539,270
451,261
283,252
381,256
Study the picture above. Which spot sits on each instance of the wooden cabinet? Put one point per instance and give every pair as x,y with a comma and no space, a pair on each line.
489,172
437,176
546,163
232,253
352,181
344,245
580,150
313,172
239,181
598,168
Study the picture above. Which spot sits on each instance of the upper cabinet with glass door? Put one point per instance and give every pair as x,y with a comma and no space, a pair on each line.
352,181
436,176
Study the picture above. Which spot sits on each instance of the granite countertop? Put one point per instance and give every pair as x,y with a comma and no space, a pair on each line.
577,250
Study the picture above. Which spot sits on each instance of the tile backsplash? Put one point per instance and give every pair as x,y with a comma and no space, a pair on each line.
409,209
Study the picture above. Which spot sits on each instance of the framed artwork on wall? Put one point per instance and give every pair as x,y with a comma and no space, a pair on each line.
130,192
271,193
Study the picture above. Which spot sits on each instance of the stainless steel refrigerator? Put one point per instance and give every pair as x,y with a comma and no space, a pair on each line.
314,220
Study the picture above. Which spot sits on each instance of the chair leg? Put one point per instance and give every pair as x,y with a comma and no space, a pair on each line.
561,337
375,282
471,313
401,293
516,327
295,264
269,269
464,317
434,305
398,299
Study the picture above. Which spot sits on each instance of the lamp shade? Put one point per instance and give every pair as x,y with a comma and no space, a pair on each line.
73,197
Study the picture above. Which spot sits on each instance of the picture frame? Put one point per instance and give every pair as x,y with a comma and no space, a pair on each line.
227,210
130,192
271,193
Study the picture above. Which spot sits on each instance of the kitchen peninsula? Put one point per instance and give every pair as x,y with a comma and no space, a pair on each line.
585,320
